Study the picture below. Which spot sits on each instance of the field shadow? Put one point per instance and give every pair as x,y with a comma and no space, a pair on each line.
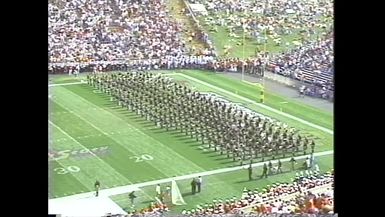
246,180
143,122
187,194
157,130
110,105
214,153
118,109
196,144
229,162
222,158
176,132
186,141
209,152
125,112
181,135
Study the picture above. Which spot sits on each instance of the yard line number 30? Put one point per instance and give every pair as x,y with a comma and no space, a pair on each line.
69,169
142,158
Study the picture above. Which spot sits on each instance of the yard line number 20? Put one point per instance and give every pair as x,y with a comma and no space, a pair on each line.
69,169
142,158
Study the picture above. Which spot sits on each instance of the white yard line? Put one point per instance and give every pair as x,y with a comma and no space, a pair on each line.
168,74
65,84
251,83
116,173
126,123
129,188
100,130
260,105
73,139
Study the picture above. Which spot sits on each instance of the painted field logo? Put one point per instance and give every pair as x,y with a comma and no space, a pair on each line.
79,154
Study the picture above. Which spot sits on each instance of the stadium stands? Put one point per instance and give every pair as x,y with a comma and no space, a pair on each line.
97,36
100,30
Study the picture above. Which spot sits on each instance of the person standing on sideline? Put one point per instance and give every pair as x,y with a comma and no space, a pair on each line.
270,168
132,196
307,163
157,190
279,170
97,187
302,91
250,169
193,186
199,183
292,161
264,173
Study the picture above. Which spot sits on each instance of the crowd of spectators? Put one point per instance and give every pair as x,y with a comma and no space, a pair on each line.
277,17
311,61
100,30
99,36
310,193
316,57
252,65
154,209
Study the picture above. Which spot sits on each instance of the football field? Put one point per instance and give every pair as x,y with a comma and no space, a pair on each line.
92,138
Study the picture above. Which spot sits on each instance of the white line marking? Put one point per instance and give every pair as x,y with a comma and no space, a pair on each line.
96,157
260,105
65,84
131,126
129,188
251,83
171,73
73,139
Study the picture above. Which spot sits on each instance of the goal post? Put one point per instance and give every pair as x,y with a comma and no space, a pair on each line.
176,196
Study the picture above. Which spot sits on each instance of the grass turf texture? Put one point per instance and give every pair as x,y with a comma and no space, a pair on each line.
82,118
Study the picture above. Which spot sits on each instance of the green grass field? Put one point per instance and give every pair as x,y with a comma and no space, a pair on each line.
99,140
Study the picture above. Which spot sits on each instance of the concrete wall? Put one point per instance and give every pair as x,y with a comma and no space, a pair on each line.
282,79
